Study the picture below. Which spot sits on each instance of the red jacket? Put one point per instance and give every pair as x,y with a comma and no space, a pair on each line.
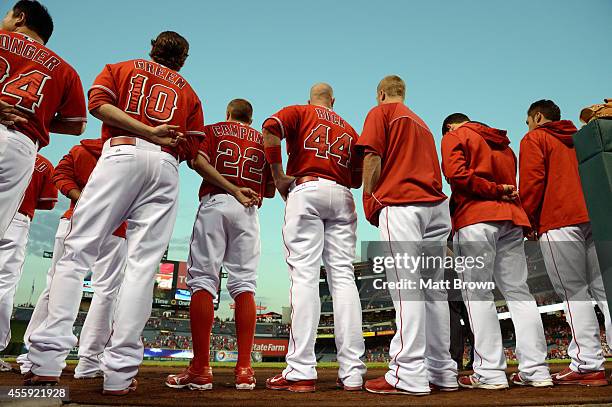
74,169
477,161
550,186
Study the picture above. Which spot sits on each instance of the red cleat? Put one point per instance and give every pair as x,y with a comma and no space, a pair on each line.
381,386
278,382
245,378
191,380
340,385
132,387
31,379
592,378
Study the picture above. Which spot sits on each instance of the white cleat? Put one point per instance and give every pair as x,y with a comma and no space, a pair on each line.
94,375
5,366
473,382
517,379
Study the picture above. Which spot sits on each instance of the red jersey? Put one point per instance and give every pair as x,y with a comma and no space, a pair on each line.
477,161
549,181
236,150
152,94
74,169
41,192
410,170
319,143
37,81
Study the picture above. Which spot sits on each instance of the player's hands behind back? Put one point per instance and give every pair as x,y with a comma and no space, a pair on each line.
283,183
510,193
166,135
247,197
10,115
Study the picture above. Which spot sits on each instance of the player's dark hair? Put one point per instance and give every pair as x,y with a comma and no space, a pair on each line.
37,18
240,110
170,49
548,108
452,119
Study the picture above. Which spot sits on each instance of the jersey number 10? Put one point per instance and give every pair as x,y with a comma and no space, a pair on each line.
160,102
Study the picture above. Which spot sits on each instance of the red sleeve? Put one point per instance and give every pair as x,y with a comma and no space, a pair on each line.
73,104
47,196
268,184
374,135
284,123
195,121
356,166
194,131
532,178
64,175
205,147
460,176
103,90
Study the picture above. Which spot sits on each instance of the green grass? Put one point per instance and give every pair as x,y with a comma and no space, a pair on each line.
279,365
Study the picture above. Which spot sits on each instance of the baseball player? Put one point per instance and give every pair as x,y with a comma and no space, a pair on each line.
320,223
40,93
488,223
40,194
403,196
151,117
226,233
70,176
552,196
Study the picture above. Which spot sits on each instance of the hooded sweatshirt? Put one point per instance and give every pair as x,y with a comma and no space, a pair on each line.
74,169
477,161
550,186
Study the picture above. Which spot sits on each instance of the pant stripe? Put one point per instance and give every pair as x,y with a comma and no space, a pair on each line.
467,300
399,293
290,291
569,310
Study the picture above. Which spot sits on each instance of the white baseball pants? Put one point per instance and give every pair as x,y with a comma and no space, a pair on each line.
12,256
97,327
420,348
320,223
40,310
502,246
106,278
571,262
134,183
225,234
17,157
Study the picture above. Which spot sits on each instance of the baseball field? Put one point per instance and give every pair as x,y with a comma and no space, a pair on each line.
152,391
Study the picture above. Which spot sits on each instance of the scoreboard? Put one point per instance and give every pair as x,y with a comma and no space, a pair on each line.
170,289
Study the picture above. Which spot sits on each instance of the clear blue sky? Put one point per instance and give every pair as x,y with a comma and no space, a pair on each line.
489,59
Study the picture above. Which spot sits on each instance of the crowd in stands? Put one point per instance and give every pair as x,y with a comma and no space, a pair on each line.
168,340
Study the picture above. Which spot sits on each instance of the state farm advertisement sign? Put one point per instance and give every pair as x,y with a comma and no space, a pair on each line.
271,347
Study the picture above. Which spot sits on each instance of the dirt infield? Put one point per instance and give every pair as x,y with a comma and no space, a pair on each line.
153,392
